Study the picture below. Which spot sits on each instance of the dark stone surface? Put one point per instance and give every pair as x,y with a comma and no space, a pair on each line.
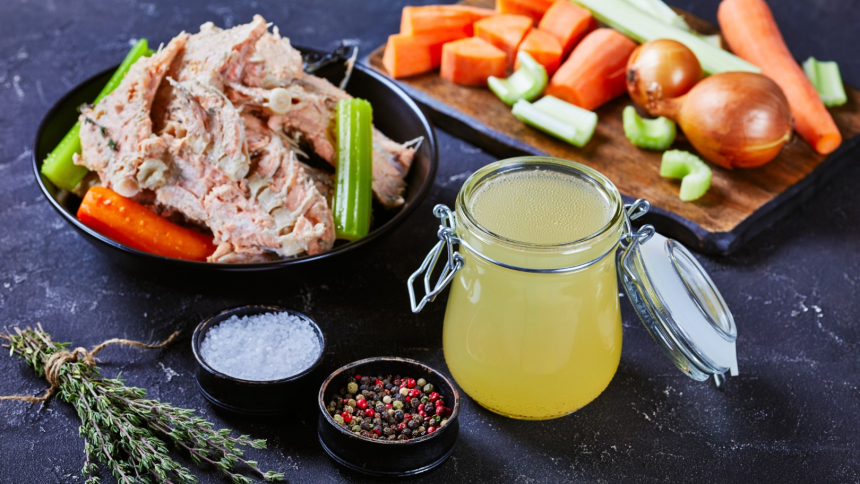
792,416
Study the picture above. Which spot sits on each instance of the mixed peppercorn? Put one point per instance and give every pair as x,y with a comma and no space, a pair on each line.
389,407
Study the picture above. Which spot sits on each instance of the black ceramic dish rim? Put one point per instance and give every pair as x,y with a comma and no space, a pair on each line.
199,333
455,409
396,220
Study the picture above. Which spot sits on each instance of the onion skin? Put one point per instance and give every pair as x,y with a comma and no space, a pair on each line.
661,69
734,119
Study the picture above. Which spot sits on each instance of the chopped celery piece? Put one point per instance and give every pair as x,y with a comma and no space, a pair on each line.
354,174
652,134
662,12
694,173
528,82
642,27
558,118
827,81
584,120
58,166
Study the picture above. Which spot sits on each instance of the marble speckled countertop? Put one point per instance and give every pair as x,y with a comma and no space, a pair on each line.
793,415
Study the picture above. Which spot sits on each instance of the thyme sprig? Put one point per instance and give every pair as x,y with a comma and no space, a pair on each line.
126,432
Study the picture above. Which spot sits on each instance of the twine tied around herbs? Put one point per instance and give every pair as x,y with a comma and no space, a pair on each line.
88,357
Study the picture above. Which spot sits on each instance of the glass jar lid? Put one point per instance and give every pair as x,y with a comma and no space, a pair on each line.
679,304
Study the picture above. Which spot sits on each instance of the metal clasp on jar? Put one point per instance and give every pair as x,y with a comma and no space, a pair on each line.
447,239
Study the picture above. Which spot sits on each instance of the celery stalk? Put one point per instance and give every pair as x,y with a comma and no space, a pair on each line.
694,173
528,82
652,134
662,12
827,81
58,166
354,175
558,118
642,27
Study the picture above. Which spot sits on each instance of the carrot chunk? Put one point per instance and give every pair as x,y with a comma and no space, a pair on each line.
505,32
408,55
132,224
544,48
751,31
568,22
530,8
594,72
471,61
433,18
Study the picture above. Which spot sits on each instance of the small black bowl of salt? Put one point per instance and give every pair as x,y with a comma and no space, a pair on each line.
252,359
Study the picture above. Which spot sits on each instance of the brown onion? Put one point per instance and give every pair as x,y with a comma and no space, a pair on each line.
661,69
734,119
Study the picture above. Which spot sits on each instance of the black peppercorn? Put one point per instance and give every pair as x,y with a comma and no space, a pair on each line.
387,399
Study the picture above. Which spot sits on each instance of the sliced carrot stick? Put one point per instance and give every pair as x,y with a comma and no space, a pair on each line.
471,61
568,22
408,55
505,32
751,32
433,18
594,72
530,8
132,224
544,48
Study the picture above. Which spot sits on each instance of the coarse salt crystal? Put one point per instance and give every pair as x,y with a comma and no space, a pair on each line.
261,347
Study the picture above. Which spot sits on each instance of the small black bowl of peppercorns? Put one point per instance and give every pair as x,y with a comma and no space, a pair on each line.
388,416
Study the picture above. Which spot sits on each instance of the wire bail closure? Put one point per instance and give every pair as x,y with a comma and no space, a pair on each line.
448,237
630,239
455,261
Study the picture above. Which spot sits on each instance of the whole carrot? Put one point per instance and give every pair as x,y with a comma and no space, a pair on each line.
751,32
136,226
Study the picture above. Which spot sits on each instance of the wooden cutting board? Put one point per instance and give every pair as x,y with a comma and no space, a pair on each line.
740,203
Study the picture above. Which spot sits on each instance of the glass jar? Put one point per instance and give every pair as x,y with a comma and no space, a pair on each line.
533,331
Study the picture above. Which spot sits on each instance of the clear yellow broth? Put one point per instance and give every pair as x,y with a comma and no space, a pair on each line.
534,346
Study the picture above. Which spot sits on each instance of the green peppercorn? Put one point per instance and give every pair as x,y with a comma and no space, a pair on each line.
443,422
421,429
338,419
352,403
331,409
397,404
428,388
349,409
356,428
359,397
421,382
425,399
352,387
437,418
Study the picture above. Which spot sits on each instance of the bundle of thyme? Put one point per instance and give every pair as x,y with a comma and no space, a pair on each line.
123,430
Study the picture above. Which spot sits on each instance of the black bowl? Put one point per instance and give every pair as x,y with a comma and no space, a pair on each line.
249,397
394,113
388,458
